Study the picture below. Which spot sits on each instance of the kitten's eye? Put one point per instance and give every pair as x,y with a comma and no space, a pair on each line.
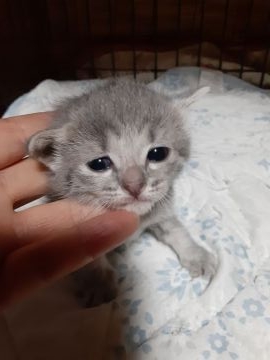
101,164
158,154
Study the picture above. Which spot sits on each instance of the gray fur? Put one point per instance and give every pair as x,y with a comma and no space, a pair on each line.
90,126
124,120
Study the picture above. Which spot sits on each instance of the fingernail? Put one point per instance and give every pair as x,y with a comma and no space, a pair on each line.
107,231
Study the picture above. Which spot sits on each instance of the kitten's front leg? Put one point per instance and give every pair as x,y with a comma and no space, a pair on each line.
96,283
193,257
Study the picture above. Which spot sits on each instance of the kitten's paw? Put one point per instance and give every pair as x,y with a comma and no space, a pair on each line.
199,262
99,287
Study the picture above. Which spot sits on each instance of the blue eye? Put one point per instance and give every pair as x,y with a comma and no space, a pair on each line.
158,154
101,164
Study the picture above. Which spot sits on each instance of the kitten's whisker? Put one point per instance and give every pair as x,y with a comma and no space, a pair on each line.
164,201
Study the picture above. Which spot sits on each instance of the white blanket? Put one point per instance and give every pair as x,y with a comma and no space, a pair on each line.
223,198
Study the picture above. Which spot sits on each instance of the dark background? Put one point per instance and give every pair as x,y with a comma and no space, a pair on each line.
54,38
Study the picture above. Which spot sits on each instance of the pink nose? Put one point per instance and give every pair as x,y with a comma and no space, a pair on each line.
133,180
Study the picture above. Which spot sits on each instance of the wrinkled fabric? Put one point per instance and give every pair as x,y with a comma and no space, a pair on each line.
223,199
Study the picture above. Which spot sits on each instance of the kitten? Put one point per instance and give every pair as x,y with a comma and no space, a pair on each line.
121,146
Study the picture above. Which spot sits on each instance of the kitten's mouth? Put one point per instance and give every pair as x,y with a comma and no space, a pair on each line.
139,206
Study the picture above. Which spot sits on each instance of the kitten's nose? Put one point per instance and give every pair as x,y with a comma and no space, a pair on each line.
133,180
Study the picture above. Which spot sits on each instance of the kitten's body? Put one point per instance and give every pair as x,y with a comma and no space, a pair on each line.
132,128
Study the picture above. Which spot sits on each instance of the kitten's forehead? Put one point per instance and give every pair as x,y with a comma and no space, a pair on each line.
123,119
130,146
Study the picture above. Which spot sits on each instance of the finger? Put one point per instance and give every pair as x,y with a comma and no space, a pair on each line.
42,222
14,133
24,181
40,263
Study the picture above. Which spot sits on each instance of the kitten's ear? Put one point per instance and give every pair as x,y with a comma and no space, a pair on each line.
189,100
196,96
43,146
180,99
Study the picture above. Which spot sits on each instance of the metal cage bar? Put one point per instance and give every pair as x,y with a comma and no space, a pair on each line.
246,33
155,33
201,32
264,67
133,32
224,31
89,28
178,27
111,36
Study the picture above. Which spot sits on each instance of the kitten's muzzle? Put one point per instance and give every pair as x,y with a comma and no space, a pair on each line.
133,181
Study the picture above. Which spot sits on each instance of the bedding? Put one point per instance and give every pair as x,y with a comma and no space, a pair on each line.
223,199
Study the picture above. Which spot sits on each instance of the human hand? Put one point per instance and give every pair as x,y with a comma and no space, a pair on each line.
43,243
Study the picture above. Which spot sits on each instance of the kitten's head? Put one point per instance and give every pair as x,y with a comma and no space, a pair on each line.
120,146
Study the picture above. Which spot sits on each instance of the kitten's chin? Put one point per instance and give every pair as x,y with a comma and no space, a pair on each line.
138,208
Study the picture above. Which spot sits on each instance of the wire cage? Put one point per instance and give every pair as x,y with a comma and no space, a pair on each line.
80,39
223,35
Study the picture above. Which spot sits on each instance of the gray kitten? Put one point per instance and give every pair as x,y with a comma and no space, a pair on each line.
121,146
